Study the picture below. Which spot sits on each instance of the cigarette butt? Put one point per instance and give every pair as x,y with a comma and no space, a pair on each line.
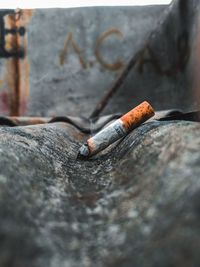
116,130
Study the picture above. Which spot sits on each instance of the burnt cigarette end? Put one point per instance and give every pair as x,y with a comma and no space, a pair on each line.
137,116
84,151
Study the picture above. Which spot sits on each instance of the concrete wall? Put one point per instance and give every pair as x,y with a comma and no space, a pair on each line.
66,59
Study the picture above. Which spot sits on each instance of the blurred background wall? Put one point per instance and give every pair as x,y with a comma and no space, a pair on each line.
62,61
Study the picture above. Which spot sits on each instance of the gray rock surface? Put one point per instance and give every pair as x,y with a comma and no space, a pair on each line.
135,204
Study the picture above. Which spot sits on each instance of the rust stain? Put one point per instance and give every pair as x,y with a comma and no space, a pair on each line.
24,65
23,121
112,67
137,116
4,102
1,81
18,69
13,75
18,14
8,46
63,54
197,67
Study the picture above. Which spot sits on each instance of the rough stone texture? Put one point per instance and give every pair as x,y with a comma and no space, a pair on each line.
137,203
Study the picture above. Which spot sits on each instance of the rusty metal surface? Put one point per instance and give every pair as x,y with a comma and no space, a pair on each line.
15,68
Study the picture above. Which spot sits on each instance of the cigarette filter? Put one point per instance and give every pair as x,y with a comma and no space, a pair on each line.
116,130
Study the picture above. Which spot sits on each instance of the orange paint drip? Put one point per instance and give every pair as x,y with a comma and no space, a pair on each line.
137,116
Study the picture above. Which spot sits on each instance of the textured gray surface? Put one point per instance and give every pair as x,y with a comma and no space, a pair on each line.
70,89
136,203
51,80
166,76
163,74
